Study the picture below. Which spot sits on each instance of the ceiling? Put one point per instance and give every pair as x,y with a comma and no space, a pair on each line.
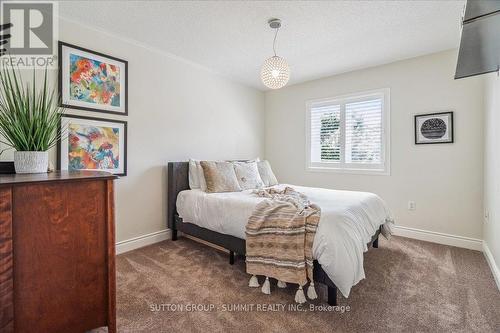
318,38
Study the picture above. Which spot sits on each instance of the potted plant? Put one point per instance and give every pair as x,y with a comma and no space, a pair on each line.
29,120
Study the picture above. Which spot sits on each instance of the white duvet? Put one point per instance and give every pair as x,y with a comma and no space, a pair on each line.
348,221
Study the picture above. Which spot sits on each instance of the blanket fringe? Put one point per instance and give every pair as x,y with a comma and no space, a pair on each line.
311,291
281,284
254,283
266,287
299,296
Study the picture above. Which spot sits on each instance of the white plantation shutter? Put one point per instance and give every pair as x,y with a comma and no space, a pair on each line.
363,131
325,129
349,133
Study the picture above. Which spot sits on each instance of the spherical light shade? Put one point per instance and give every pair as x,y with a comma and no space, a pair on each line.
275,72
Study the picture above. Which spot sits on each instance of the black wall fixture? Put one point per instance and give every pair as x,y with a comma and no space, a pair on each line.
7,168
480,42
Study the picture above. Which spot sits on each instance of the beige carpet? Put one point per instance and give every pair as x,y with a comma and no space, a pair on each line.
410,286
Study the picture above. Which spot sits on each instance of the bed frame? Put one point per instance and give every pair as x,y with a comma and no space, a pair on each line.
178,180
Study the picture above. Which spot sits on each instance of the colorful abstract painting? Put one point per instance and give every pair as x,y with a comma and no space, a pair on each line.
92,147
93,81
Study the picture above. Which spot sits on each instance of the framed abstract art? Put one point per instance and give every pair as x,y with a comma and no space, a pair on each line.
92,81
434,128
92,144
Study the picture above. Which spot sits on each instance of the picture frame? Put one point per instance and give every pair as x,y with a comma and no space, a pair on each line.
434,128
92,81
92,144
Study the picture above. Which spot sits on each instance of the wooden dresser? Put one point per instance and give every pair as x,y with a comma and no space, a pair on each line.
57,252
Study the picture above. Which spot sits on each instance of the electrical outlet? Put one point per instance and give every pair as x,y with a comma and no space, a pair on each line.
412,205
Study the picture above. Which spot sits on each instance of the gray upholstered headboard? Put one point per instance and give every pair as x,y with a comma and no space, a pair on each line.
178,180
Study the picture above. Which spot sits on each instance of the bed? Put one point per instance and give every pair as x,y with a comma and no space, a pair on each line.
220,218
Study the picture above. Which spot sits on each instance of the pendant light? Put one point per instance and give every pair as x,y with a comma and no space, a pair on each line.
275,72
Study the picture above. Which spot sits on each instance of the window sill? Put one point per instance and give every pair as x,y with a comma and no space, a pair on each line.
377,172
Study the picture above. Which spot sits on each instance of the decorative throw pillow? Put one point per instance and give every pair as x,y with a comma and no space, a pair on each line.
266,173
193,174
220,176
201,177
248,175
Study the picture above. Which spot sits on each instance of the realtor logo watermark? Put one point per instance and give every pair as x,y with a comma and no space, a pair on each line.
30,30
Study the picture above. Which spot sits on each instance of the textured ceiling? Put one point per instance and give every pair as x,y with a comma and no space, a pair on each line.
318,38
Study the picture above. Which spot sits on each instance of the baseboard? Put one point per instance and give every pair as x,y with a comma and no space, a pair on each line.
425,235
440,238
493,265
141,241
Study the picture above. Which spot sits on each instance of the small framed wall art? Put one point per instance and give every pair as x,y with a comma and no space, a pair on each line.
434,128
92,144
92,81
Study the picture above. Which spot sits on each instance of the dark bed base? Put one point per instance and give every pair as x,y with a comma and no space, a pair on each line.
178,180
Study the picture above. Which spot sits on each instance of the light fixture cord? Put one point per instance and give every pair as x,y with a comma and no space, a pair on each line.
274,41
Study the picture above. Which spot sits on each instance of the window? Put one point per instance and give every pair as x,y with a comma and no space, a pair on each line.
349,133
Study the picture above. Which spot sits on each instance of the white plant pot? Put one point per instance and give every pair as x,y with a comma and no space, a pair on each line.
31,161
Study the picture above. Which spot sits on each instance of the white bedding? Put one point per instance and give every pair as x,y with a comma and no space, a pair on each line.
348,221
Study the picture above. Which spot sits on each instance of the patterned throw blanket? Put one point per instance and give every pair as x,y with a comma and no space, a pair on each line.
280,235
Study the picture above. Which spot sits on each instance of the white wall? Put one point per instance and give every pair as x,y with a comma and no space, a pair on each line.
176,111
444,180
491,228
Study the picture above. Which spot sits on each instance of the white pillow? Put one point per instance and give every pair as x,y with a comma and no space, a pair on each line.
248,175
194,181
266,173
